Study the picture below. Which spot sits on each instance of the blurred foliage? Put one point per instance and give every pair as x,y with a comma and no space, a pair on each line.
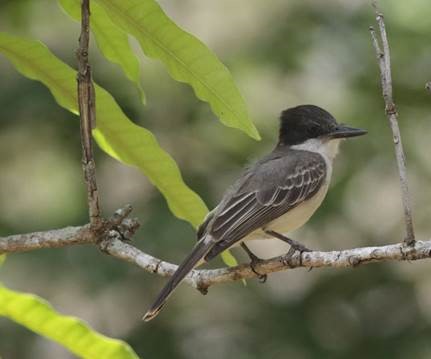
281,54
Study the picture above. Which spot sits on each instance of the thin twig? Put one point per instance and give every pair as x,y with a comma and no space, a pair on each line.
86,99
384,61
113,244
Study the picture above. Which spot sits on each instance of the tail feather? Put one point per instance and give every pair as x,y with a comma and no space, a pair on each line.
198,252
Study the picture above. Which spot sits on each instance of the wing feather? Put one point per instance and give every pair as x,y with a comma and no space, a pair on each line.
268,190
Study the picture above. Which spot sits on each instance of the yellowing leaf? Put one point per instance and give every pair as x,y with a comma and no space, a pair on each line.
38,315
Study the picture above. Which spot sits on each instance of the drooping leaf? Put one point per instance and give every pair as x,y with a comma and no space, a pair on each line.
111,40
186,58
115,133
38,315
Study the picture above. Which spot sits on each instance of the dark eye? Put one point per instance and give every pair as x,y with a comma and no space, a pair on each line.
314,130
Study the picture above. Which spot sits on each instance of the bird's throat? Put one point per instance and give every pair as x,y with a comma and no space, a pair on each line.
327,148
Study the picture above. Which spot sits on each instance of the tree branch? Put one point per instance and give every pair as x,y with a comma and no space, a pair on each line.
113,244
119,223
86,99
384,61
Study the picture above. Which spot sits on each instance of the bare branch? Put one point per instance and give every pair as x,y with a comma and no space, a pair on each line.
123,227
86,99
55,238
384,61
112,243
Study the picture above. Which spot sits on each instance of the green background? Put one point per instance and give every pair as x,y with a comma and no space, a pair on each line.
281,54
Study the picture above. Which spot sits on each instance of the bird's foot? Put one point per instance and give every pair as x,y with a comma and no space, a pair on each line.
261,277
255,261
294,246
299,247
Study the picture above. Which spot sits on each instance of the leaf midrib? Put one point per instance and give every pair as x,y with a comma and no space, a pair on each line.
167,50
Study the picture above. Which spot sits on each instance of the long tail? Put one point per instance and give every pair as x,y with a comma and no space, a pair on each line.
198,252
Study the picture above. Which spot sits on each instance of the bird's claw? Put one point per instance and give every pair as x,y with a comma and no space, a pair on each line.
298,246
295,247
254,261
261,277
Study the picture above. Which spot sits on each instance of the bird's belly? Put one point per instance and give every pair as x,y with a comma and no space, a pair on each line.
292,219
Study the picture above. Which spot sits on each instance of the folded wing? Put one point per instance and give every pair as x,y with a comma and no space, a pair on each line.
265,192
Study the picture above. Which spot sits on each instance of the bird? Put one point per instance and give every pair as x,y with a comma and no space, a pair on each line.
274,196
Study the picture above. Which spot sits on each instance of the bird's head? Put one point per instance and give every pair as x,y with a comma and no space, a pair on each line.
307,122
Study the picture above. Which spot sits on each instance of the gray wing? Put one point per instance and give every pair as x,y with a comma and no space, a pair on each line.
265,192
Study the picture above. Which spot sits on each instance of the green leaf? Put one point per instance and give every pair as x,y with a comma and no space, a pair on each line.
229,259
38,315
2,259
111,40
187,59
115,133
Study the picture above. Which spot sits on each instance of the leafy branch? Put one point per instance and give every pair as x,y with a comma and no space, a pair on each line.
111,40
112,231
136,146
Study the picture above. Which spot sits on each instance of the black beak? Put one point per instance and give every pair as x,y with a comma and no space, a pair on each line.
344,132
